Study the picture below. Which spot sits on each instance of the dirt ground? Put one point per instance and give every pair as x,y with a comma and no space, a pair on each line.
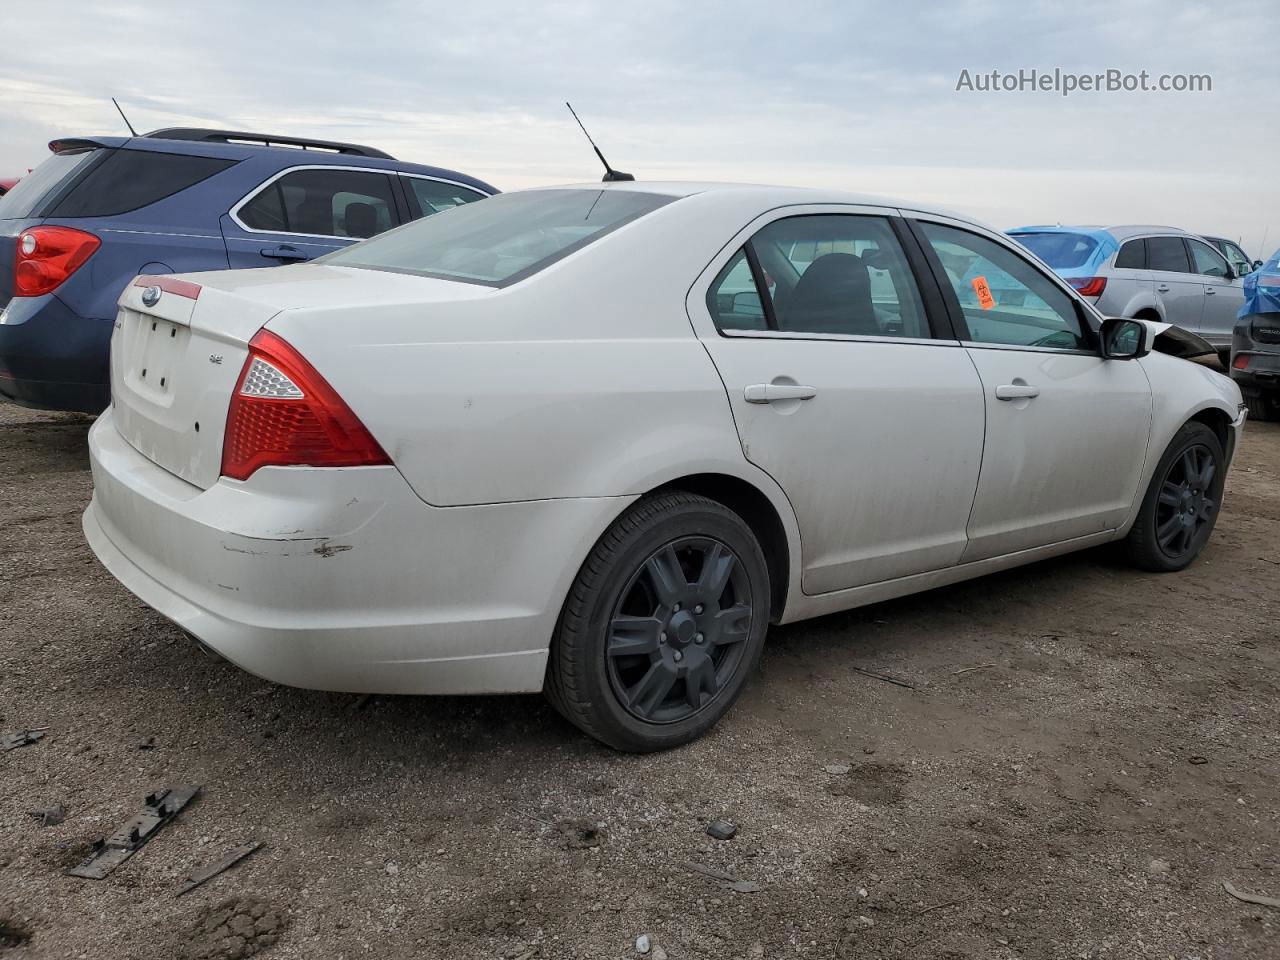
1087,753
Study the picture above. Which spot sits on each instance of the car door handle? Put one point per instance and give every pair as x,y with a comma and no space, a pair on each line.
772,392
1209,291
1016,391
285,252
1163,288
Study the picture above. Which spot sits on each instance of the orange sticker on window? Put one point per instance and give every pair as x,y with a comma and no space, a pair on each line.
985,300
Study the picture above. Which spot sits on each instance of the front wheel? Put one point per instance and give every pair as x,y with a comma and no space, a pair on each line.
1181,506
662,626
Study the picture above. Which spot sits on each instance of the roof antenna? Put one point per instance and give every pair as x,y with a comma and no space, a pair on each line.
124,118
610,174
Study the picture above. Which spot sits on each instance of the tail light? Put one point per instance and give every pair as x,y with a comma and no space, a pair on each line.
47,256
1088,286
284,413
1241,361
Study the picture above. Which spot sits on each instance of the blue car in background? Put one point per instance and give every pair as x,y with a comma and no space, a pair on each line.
101,210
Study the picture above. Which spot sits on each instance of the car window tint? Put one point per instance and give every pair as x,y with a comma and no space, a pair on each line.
127,180
329,203
507,238
1167,253
733,299
1062,251
1004,298
1132,255
841,274
1206,260
434,196
1240,263
42,183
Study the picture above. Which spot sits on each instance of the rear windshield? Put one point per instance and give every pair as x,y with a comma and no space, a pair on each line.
502,239
1059,250
29,192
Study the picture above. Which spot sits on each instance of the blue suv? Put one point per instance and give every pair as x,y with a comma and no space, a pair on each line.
102,210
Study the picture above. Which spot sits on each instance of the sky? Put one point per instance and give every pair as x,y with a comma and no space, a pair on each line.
848,95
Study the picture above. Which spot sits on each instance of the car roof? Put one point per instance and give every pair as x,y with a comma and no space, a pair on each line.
282,156
1121,232
764,195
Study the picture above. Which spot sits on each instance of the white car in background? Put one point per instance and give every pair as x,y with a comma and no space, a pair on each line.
594,439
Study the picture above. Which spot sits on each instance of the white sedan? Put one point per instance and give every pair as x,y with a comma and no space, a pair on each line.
594,439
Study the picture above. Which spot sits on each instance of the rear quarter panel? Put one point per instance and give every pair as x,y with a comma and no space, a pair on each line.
584,381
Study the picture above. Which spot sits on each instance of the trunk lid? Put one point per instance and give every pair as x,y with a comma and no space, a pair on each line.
176,363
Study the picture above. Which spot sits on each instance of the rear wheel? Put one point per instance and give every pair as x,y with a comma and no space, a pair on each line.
1181,506
663,625
1262,406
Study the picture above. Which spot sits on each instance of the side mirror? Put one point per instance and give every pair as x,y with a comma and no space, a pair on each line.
1124,339
747,304
1257,264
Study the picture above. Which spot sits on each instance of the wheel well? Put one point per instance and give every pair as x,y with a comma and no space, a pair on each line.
758,513
1147,313
1219,423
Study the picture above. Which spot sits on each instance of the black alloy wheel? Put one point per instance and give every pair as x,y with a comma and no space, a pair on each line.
678,632
662,625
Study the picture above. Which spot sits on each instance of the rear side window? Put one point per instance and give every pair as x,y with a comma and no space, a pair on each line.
834,274
1132,256
323,202
503,240
433,196
128,180
1168,254
1062,251
31,191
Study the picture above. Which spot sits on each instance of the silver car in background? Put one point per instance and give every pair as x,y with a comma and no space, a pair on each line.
1143,271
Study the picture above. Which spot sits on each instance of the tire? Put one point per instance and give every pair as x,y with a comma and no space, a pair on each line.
1262,406
669,610
1180,508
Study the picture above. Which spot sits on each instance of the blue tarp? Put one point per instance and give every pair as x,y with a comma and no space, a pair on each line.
1262,289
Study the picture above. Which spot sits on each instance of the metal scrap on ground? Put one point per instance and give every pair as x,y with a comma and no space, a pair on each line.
726,880
885,677
1250,897
50,816
159,808
202,874
12,739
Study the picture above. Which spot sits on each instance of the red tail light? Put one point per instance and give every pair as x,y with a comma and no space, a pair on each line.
284,413
1241,361
47,256
1088,286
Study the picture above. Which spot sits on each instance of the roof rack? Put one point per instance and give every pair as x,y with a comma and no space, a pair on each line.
266,140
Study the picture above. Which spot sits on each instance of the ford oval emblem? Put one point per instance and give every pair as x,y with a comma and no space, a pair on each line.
150,296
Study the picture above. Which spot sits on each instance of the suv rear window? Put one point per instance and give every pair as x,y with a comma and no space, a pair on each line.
502,239
1062,251
30,192
128,180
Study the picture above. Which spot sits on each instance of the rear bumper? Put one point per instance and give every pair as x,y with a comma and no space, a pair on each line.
1262,370
342,579
52,358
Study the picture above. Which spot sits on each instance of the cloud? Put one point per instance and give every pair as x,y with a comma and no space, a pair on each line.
850,95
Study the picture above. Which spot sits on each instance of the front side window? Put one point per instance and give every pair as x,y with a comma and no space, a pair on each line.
1240,263
834,274
329,203
505,239
1004,298
1208,262
433,196
1168,254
